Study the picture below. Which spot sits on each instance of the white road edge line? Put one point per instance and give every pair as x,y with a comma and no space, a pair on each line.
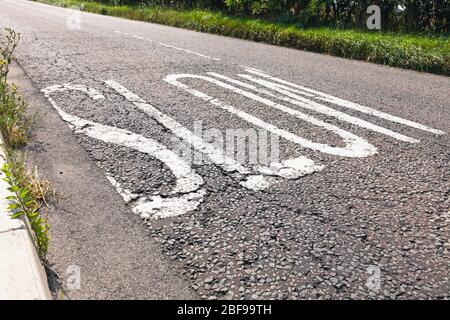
167,45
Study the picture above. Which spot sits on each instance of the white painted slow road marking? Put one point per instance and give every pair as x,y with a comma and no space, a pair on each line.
167,45
187,194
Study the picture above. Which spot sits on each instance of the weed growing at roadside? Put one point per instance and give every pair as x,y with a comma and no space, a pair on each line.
29,192
23,203
14,123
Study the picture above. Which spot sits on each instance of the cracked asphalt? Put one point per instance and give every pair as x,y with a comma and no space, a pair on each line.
374,227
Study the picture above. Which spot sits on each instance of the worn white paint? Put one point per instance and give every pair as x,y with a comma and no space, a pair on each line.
168,45
126,194
90,92
354,146
344,103
292,168
186,195
158,207
257,182
310,105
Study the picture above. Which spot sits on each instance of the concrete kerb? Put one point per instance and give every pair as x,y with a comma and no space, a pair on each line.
22,275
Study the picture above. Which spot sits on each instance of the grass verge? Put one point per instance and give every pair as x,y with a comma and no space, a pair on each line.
415,52
28,191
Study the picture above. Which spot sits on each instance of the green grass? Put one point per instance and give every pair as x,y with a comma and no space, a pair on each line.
416,52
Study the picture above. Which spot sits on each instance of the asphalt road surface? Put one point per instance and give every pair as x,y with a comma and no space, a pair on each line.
351,202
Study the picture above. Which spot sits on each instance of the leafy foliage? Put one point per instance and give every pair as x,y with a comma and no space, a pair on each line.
397,15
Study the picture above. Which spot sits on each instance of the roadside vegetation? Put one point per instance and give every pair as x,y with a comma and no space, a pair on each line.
327,31
29,192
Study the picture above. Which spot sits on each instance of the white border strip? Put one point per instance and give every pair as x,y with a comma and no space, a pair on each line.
167,45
